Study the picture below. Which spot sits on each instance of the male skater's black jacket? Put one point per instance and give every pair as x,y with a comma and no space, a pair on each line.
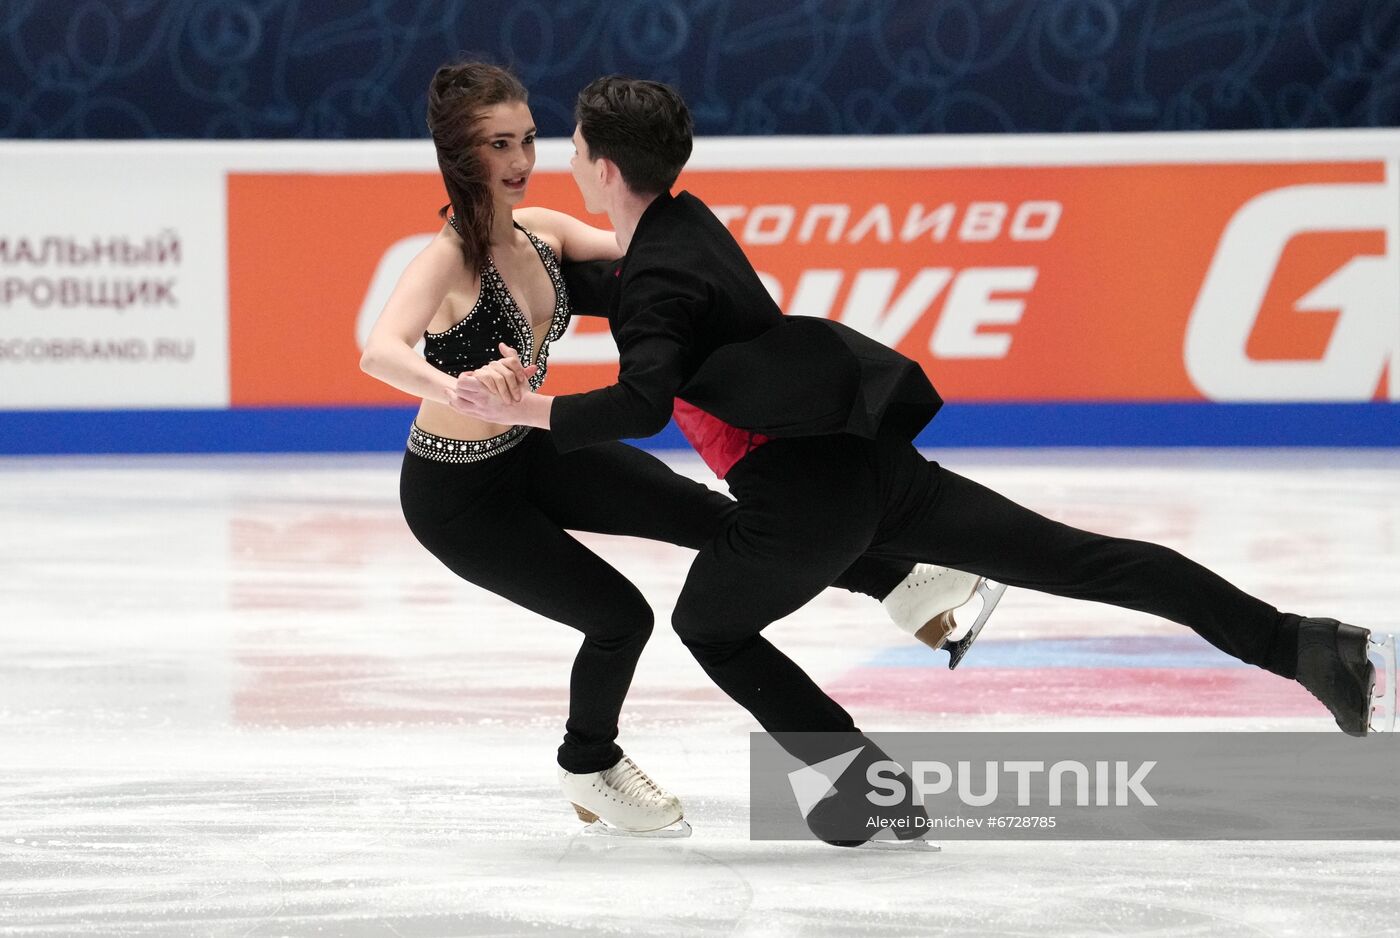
692,320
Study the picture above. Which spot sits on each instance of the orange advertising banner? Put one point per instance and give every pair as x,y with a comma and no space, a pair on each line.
1134,282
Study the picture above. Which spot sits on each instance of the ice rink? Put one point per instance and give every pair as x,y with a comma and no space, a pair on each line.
237,698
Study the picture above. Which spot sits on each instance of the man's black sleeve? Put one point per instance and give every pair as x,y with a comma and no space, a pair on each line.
590,285
654,335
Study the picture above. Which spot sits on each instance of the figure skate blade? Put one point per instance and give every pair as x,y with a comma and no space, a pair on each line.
1381,650
990,593
601,828
907,846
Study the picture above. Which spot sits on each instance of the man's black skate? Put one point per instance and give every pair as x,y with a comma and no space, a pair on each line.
847,818
1333,665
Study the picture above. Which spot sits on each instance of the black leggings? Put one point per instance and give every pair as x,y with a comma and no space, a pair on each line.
806,507
500,523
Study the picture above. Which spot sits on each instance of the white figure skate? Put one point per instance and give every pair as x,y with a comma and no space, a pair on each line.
624,801
923,603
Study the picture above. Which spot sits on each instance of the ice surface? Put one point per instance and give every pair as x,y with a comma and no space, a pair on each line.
237,698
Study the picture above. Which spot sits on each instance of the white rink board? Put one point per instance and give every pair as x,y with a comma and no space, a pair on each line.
114,290
111,332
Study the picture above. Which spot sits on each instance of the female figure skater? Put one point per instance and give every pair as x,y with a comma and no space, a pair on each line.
492,501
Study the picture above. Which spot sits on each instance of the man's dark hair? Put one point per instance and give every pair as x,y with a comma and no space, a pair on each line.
642,126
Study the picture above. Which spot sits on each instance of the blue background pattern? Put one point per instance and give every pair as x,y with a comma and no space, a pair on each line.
357,68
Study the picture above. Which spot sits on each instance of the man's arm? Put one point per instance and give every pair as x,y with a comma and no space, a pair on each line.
590,285
654,336
652,345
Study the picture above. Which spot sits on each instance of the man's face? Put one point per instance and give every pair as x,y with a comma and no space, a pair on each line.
585,175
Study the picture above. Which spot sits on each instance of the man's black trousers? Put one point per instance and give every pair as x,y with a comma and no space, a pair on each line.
807,507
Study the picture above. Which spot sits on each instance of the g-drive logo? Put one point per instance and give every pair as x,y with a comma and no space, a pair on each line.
1102,783
1364,293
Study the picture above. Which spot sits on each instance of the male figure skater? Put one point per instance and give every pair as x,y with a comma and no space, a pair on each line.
811,425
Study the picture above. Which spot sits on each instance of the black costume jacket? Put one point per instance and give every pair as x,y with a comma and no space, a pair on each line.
692,320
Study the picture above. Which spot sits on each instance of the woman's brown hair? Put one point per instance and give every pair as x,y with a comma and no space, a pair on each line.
458,95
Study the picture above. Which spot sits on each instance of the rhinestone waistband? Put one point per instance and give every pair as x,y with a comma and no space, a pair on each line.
445,449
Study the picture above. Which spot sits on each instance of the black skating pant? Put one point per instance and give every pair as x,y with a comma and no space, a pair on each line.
807,507
501,524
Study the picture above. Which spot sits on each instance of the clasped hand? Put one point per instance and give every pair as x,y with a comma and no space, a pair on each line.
494,391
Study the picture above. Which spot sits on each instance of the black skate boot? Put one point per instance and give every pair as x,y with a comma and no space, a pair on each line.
847,818
1333,665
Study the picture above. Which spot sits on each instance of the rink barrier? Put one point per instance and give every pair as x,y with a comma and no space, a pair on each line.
1064,290
385,429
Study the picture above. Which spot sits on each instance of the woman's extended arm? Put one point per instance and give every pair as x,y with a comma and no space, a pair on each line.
389,352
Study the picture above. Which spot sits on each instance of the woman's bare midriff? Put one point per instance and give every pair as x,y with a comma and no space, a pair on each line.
441,420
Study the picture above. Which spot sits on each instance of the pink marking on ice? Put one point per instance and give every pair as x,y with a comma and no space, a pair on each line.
1195,692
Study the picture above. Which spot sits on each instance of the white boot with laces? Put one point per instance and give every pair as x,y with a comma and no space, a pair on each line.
923,603
624,800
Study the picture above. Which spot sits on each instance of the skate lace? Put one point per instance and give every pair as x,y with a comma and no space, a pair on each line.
631,782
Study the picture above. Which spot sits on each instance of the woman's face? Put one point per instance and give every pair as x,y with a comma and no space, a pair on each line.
508,154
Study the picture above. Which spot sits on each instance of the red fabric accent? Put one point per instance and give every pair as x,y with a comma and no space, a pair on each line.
719,444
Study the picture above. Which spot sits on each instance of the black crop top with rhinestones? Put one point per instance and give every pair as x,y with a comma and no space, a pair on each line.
496,318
